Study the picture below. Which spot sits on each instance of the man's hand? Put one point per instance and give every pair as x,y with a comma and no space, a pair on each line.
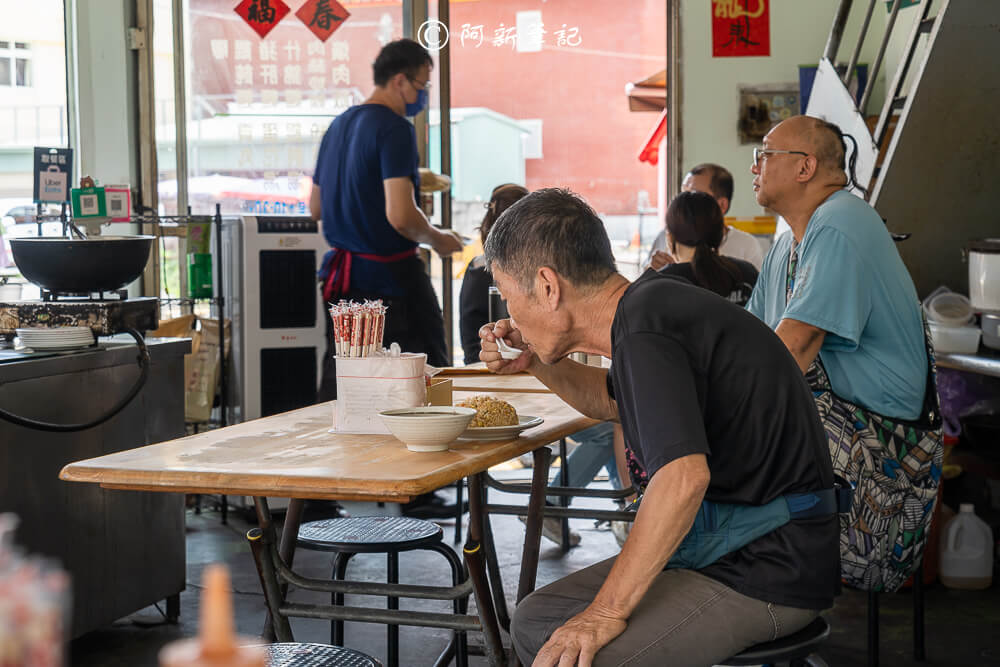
660,259
448,241
490,352
580,638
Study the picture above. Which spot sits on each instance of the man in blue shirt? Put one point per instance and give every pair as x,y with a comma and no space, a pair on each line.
852,302
364,191
836,292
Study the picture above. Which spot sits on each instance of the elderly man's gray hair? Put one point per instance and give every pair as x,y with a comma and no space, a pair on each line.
552,227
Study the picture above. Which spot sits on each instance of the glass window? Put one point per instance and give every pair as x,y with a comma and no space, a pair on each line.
32,110
538,98
257,106
23,67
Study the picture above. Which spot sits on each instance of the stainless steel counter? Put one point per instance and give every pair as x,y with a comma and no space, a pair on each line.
985,362
124,550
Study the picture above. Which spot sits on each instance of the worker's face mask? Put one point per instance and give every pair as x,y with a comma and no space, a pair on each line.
413,108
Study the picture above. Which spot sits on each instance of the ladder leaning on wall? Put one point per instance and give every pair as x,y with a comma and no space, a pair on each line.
930,153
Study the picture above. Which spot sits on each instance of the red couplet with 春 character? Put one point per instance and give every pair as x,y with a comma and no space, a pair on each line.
741,28
322,17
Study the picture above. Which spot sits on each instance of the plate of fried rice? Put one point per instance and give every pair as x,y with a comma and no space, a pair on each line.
495,419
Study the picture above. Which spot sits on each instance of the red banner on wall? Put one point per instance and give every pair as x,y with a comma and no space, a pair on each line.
741,28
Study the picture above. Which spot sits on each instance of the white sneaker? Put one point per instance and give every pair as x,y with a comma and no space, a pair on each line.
552,529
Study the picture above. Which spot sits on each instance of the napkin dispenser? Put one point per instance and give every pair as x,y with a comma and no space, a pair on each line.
369,385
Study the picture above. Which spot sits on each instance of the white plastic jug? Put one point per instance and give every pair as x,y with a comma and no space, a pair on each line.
967,551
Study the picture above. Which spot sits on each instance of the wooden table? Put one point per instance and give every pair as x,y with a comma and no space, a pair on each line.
294,455
521,383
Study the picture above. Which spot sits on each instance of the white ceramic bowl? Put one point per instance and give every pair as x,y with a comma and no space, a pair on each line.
428,429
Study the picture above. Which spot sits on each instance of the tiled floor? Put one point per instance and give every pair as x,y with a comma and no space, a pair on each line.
961,626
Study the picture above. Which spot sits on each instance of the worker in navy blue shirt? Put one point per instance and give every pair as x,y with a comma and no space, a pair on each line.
717,419
364,191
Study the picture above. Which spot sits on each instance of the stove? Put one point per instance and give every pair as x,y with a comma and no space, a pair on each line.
106,316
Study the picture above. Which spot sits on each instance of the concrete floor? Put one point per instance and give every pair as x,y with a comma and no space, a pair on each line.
961,626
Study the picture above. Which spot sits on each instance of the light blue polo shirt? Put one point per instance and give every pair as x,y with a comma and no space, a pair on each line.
851,282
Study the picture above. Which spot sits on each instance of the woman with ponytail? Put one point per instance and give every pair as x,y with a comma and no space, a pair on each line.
695,229
474,299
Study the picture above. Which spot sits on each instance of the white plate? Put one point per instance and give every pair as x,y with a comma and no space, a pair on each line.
54,341
71,334
502,432
79,337
59,346
53,348
45,331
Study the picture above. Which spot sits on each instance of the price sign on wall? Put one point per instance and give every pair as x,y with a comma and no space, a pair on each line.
53,174
741,28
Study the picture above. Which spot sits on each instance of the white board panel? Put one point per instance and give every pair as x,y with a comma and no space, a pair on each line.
831,101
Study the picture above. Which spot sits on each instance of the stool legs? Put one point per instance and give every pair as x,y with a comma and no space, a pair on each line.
458,646
339,573
392,631
918,613
872,629
919,651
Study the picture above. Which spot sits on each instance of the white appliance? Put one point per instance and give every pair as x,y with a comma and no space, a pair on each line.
984,274
279,326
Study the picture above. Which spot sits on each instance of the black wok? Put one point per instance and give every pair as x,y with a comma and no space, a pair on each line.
99,264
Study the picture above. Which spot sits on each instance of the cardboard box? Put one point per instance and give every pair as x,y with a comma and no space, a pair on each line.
439,391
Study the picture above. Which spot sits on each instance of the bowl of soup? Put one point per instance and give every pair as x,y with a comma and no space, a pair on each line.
428,429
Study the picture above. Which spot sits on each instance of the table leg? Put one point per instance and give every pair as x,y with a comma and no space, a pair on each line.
493,567
564,500
533,525
261,543
286,550
475,561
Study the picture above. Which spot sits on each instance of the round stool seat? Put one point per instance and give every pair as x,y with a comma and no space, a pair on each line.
368,534
293,654
796,646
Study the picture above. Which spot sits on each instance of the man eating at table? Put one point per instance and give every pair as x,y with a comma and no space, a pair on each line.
735,540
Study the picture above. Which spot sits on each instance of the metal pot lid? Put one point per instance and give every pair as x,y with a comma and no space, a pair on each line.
985,245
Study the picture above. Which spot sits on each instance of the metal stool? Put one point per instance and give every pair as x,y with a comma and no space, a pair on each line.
388,535
294,654
795,649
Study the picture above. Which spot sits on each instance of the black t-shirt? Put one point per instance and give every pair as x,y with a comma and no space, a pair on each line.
695,374
739,292
473,307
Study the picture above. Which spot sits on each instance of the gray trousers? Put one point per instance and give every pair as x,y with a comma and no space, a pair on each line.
685,618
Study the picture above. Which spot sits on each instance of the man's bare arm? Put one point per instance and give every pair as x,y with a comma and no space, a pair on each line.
315,203
802,340
584,387
404,216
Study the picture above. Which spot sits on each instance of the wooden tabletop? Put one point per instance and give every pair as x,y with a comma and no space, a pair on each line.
521,383
293,455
